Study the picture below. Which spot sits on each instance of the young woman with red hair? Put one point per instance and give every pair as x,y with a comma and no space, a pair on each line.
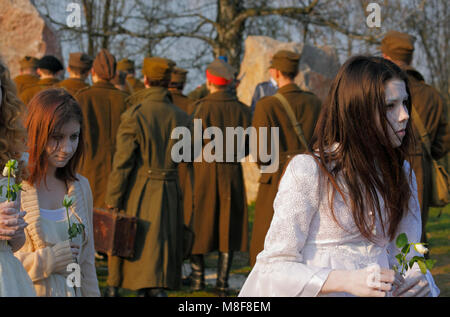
55,145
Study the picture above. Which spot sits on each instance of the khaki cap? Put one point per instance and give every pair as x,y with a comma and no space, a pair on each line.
157,68
105,65
80,60
178,75
285,61
125,65
220,72
28,62
398,46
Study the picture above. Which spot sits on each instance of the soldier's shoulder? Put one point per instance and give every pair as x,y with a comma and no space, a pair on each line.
84,91
309,96
133,110
267,101
117,93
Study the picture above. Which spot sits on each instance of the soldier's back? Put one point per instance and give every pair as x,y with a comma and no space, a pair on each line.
24,81
270,112
180,100
72,85
30,91
102,105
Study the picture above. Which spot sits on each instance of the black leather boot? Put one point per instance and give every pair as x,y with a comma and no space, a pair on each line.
111,291
223,272
156,292
197,277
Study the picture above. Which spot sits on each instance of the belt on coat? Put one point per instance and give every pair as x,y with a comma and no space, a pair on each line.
160,174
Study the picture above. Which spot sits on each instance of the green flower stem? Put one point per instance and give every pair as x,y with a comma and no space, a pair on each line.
68,219
8,189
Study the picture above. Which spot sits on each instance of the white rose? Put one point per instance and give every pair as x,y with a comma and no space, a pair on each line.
67,202
5,172
420,248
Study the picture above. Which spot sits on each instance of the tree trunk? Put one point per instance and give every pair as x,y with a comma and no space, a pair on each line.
89,14
229,40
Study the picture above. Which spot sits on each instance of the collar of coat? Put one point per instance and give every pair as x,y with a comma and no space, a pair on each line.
223,95
156,94
48,81
412,72
289,88
103,84
75,80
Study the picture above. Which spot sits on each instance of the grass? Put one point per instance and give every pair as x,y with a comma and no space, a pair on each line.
438,234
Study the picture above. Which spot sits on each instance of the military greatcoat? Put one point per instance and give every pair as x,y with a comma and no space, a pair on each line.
220,217
270,113
144,183
102,105
432,110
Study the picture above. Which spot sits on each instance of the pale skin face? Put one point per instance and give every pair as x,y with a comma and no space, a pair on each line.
62,145
397,113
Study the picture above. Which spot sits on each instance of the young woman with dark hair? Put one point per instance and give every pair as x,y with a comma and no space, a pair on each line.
55,143
340,207
14,280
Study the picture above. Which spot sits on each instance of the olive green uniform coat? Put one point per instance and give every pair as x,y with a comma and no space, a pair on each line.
180,100
24,81
198,93
144,183
270,113
183,102
133,85
220,217
432,110
29,92
102,105
72,85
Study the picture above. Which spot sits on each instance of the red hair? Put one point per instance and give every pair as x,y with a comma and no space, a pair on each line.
48,111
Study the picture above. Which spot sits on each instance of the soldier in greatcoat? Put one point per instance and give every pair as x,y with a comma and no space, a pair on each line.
144,183
28,73
132,83
48,68
177,82
79,67
219,216
269,113
431,108
102,105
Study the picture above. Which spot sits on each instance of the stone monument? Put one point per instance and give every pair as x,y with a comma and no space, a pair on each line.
318,67
24,31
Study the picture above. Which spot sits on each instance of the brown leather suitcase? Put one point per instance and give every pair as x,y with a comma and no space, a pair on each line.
114,233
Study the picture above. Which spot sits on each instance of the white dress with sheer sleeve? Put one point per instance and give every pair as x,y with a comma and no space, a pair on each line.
304,243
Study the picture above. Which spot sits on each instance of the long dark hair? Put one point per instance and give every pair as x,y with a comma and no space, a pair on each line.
48,111
364,158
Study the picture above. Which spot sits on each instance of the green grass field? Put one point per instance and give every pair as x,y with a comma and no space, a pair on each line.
438,233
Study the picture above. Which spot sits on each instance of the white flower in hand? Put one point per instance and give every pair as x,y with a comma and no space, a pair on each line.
12,166
420,248
67,202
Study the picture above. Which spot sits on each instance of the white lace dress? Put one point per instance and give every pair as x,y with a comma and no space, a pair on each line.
304,243
14,280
